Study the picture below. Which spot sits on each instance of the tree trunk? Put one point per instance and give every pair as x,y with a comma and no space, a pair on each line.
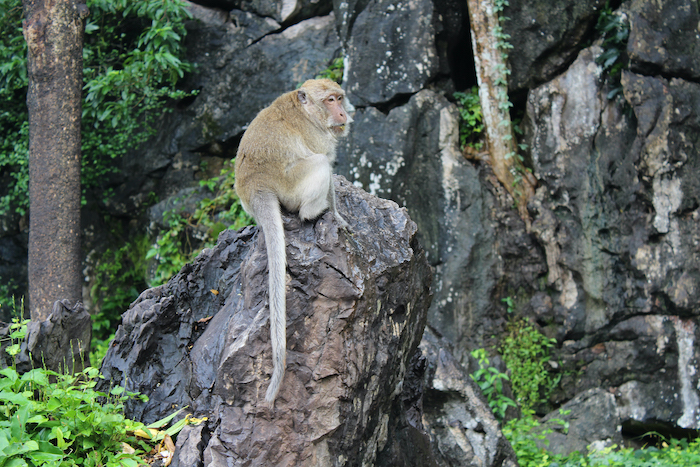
490,56
53,30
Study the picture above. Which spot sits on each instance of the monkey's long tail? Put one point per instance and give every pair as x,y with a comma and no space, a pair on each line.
270,219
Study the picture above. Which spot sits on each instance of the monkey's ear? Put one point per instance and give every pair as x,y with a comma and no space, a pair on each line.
303,98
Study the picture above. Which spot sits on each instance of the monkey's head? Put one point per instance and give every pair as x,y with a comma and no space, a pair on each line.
326,105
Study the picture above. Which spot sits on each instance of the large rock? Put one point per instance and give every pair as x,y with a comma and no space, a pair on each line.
664,38
462,428
356,307
589,420
617,214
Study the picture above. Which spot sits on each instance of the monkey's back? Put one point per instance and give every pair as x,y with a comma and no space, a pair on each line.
277,136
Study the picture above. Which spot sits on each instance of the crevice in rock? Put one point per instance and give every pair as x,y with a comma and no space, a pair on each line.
652,433
398,100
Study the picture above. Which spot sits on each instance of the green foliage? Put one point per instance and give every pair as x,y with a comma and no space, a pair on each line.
99,348
18,330
188,233
614,29
8,303
677,453
471,121
131,65
50,419
525,352
528,440
129,73
14,172
334,72
490,380
62,423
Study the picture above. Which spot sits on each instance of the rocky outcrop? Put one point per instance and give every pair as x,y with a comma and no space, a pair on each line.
617,214
546,38
356,306
591,419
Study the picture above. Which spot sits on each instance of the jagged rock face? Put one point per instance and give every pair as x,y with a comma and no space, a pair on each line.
411,155
592,418
394,42
546,37
617,213
463,428
663,38
356,306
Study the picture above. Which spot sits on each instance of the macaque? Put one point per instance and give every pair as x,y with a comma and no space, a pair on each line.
285,160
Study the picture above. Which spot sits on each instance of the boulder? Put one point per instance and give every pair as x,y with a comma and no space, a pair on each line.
591,420
357,303
391,51
59,343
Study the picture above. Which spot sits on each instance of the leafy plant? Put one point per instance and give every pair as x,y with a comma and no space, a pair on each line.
471,121
8,306
614,29
188,233
59,424
528,440
334,72
525,352
51,419
490,380
14,172
528,437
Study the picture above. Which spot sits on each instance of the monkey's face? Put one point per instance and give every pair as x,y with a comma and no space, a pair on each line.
325,103
338,118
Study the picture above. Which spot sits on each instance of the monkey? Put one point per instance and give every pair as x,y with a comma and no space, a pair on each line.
284,160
